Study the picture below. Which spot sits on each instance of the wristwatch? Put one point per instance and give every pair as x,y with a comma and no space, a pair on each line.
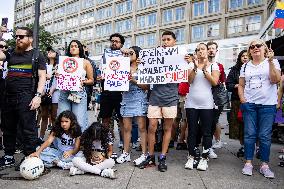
38,94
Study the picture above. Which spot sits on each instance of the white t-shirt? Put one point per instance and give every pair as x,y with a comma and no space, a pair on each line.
258,88
65,143
200,93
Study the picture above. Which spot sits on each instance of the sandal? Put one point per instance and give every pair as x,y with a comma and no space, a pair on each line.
281,157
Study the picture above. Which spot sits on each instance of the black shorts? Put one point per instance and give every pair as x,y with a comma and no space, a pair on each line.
110,101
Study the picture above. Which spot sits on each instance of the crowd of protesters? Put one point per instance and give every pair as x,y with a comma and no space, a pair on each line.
189,106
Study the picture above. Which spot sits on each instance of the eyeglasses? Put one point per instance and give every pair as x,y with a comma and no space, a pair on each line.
114,41
131,53
3,46
21,36
256,45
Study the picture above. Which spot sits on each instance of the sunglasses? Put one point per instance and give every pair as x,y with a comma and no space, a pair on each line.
256,45
21,36
3,46
131,53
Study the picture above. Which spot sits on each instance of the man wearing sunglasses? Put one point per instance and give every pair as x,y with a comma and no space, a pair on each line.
21,98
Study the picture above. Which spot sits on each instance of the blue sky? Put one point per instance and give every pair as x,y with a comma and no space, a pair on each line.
7,10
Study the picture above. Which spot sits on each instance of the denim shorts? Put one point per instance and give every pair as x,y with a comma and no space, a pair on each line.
134,103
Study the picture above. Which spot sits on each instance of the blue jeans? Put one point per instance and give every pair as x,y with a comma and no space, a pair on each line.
258,121
79,109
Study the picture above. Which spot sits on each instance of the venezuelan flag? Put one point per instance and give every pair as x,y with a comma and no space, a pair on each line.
279,15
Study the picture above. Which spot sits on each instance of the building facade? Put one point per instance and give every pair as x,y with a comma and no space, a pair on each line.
143,21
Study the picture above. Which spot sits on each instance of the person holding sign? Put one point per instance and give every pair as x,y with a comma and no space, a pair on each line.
76,101
134,104
199,104
162,104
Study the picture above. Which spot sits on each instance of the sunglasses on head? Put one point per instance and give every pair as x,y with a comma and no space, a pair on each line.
256,45
21,36
3,46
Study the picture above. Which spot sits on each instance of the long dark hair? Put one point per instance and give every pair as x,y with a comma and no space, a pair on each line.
75,129
239,60
80,46
136,50
95,132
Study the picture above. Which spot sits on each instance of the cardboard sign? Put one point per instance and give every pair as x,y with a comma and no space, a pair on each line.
108,53
117,74
70,72
162,65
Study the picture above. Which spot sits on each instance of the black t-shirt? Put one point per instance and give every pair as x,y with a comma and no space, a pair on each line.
19,77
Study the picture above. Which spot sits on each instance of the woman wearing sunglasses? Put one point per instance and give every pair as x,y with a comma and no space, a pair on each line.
258,96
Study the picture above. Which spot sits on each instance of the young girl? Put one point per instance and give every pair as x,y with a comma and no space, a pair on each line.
66,137
96,143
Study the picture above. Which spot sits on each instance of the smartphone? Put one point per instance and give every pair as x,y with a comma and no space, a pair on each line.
4,22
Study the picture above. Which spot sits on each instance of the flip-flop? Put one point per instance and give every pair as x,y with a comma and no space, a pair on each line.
281,157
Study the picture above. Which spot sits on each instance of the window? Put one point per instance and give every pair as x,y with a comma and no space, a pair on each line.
19,3
104,30
179,13
147,20
213,6
28,11
19,14
99,48
175,14
58,1
73,7
198,8
58,26
87,4
87,18
236,4
140,41
146,41
59,12
235,26
254,2
47,16
102,1
168,15
152,19
141,22
49,28
124,7
253,23
213,30
123,26
104,13
46,4
127,42
72,22
198,32
71,36
180,35
29,21
86,34
145,3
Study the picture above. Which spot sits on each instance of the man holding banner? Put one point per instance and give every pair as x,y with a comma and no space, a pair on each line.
164,94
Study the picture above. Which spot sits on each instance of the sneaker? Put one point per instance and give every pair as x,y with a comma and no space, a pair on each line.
135,145
108,173
124,157
212,154
203,164
197,152
162,167
149,162
257,153
247,170
266,172
17,167
217,145
75,171
6,161
140,159
120,144
196,162
189,163
65,165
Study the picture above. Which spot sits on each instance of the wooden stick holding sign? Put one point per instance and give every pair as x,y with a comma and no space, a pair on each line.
162,65
70,72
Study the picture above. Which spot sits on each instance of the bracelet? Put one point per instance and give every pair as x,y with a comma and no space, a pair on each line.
38,94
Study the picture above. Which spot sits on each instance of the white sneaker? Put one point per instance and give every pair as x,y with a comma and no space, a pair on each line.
65,165
140,159
135,145
218,144
212,154
75,171
202,165
108,173
124,157
189,163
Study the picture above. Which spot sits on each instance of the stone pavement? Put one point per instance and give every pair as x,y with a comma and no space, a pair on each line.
224,172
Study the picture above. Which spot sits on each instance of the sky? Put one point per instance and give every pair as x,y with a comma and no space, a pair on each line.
7,10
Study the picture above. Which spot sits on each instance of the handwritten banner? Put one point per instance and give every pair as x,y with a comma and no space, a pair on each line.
117,74
108,53
162,65
70,71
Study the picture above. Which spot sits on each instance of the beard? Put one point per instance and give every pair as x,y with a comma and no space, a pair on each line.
21,47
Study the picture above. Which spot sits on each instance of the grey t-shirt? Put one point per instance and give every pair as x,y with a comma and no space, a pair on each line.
164,95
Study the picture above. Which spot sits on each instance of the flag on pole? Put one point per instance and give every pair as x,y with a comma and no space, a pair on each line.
279,15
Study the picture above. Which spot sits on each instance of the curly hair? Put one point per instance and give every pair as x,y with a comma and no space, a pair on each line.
74,130
95,132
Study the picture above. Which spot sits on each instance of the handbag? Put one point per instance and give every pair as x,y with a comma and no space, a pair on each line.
220,94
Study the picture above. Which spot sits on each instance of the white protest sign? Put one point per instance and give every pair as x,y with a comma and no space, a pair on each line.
108,53
162,65
117,74
70,71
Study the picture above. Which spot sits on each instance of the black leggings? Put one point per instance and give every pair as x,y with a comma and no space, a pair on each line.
205,116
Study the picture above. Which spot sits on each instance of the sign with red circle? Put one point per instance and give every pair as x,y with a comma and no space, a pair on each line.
114,65
70,65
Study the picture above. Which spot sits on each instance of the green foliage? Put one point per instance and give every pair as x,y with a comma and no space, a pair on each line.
46,39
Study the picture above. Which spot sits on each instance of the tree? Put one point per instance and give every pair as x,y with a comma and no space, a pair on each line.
46,39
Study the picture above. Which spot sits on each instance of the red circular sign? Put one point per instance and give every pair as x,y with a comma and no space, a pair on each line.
70,65
114,65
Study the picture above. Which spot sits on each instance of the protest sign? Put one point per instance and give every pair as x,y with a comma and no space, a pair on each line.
117,74
162,65
108,53
70,71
